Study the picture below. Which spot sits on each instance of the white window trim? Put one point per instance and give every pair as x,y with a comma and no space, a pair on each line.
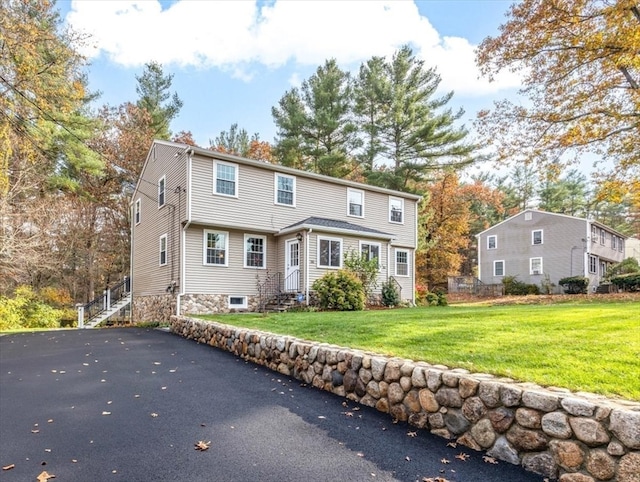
395,261
327,238
495,236
160,250
531,272
541,231
236,306
215,178
137,211
603,237
162,182
391,199
204,247
504,267
358,191
372,244
264,252
275,190
593,260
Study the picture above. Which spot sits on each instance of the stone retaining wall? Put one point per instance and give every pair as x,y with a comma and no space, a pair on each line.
559,434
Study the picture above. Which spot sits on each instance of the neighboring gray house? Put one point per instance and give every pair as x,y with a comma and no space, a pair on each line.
540,247
212,231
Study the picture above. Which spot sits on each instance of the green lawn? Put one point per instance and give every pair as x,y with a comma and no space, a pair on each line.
591,347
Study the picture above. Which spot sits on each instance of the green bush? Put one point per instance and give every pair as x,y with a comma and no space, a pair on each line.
626,266
390,295
436,298
25,310
574,285
518,288
341,290
627,282
365,270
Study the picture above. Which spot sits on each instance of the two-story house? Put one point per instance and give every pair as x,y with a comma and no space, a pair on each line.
210,231
541,248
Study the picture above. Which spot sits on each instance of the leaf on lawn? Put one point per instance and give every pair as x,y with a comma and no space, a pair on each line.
9,467
44,476
462,456
445,461
489,460
412,434
202,445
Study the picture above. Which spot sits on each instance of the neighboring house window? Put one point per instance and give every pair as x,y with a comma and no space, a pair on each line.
593,264
226,178
402,262
536,236
498,268
370,251
216,246
255,248
161,190
396,210
355,201
492,241
163,250
535,266
238,302
285,187
136,210
603,236
594,234
329,252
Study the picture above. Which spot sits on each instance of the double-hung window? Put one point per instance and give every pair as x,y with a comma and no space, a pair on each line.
535,266
137,211
225,178
402,262
355,202
255,249
492,241
216,248
396,210
329,252
603,236
162,185
593,264
369,251
163,250
498,268
285,188
536,236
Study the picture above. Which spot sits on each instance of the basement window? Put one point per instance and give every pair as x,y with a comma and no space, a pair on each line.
238,302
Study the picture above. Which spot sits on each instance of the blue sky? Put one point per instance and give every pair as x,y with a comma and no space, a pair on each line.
233,60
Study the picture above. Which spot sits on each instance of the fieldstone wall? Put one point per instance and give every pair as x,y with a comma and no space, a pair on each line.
211,304
153,308
573,437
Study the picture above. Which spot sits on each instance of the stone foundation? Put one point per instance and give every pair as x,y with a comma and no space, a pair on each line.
153,308
573,437
211,304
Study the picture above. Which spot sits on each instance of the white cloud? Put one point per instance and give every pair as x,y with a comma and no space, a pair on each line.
233,35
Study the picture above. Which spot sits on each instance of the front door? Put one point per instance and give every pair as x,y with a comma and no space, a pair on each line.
292,269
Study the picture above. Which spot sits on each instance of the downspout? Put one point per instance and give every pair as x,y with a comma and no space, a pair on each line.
479,257
306,265
133,226
183,237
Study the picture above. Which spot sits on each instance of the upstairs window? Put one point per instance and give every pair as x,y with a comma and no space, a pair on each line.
216,247
226,179
535,266
594,234
492,242
161,191
254,251
285,188
402,262
136,211
163,250
355,202
396,210
603,236
614,242
329,252
536,236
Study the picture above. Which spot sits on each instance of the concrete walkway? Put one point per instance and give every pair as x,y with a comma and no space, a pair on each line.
129,404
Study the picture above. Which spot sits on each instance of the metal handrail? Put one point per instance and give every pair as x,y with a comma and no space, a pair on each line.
110,297
268,289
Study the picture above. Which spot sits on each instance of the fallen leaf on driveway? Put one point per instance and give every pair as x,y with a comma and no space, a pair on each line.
407,458
154,415
9,467
462,456
412,434
489,460
44,476
202,445
445,461
35,431
106,413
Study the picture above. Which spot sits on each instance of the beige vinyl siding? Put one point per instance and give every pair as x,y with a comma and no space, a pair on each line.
148,277
231,279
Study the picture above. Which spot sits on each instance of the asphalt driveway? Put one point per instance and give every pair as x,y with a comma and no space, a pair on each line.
129,404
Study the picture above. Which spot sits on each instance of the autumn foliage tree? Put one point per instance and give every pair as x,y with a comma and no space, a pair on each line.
580,67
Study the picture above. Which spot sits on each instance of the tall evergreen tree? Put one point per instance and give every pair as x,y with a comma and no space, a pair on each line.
567,195
155,97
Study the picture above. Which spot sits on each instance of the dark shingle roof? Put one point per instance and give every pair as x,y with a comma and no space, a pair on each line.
335,225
